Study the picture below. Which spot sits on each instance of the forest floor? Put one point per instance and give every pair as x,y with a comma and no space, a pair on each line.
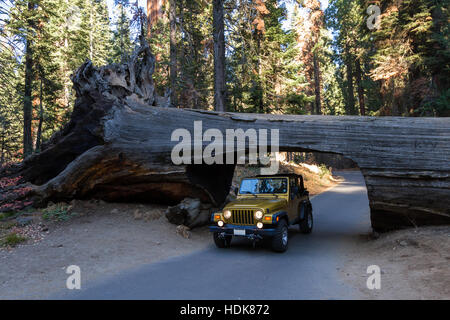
414,263
101,238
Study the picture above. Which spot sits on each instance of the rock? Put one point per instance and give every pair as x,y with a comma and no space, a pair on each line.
114,211
403,243
187,213
192,209
137,215
183,231
23,221
174,215
202,219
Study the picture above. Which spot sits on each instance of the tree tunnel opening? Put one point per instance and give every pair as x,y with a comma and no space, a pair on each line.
338,194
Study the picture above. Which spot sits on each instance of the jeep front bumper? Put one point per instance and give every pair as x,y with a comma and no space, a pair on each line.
250,231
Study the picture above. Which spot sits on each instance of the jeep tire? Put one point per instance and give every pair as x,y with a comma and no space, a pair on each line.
306,224
222,242
281,238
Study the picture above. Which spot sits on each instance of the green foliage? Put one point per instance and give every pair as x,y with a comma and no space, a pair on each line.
57,212
324,171
6,214
7,225
121,44
11,240
264,74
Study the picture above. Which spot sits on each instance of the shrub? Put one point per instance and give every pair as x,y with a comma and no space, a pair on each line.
58,212
12,239
324,171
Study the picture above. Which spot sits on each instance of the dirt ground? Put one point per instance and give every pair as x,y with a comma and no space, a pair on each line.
101,238
414,263
106,238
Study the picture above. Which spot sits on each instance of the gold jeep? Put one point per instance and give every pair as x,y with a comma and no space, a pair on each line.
265,207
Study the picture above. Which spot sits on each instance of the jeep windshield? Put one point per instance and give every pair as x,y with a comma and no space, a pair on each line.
263,186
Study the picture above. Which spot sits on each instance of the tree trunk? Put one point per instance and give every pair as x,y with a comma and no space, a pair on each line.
2,157
118,147
219,56
154,13
173,51
350,105
41,119
362,105
28,103
318,104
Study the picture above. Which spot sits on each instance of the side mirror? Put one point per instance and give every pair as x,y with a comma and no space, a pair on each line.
236,190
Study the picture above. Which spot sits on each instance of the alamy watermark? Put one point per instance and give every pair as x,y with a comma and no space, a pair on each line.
374,19
230,149
74,280
374,280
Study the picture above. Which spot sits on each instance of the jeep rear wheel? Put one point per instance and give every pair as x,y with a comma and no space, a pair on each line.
221,241
281,238
306,225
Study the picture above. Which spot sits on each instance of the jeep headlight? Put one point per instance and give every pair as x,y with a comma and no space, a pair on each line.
259,214
227,214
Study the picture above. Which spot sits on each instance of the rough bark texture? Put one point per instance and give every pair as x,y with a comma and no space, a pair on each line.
362,104
154,13
219,56
27,99
350,101
173,51
318,103
117,147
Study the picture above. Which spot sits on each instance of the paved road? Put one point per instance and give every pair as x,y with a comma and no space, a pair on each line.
306,271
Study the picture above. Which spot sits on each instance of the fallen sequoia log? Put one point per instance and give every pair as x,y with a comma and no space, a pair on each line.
117,147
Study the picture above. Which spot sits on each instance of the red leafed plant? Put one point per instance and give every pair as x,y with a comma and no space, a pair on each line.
12,195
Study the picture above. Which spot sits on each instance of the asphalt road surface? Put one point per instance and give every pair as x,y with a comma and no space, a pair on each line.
307,270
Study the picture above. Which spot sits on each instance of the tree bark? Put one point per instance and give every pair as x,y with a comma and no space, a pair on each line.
318,104
173,51
27,103
41,118
219,56
154,13
350,105
362,105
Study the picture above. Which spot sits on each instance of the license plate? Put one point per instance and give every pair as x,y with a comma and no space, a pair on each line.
239,232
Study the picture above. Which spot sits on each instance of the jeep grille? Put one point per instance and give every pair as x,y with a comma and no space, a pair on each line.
242,217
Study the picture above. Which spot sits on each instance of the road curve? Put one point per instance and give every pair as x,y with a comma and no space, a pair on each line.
308,270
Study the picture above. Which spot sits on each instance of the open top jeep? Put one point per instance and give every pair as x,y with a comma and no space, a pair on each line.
265,207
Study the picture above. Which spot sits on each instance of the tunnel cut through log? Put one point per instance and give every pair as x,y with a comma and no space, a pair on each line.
117,146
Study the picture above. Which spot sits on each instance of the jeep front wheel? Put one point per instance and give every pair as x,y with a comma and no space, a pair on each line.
281,237
221,241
